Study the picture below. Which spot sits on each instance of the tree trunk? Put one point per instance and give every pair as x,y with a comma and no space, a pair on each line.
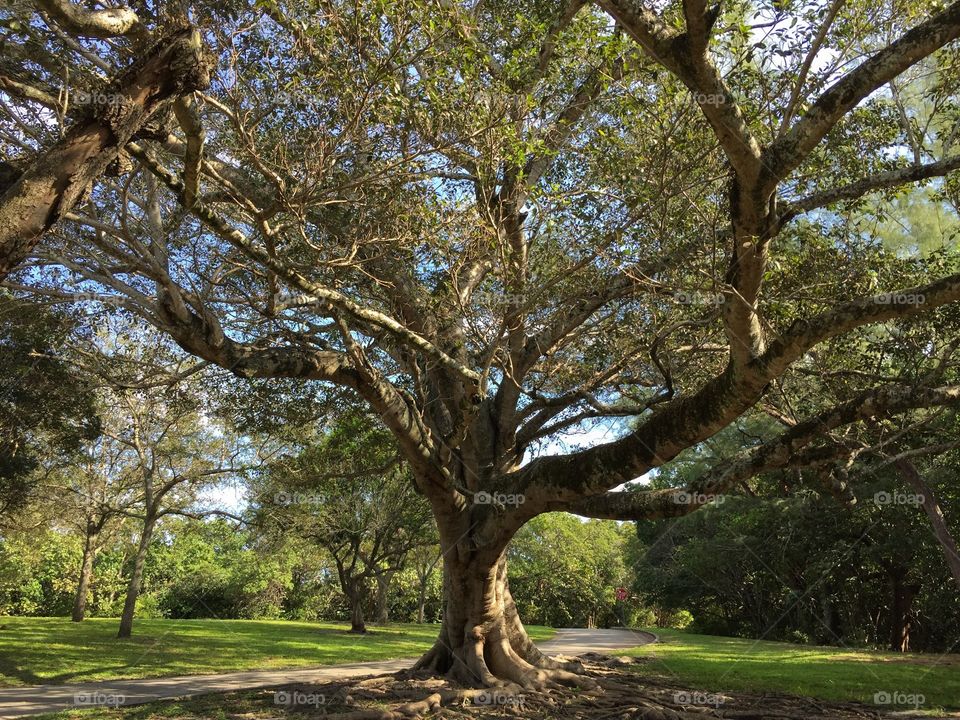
931,506
86,573
136,577
382,615
900,619
53,184
482,641
355,597
422,600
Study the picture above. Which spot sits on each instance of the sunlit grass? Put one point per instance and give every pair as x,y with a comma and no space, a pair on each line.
720,664
54,650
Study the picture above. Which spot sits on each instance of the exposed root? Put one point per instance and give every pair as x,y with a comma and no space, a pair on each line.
619,692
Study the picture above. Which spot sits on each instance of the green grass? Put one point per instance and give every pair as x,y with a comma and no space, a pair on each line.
35,651
720,664
252,705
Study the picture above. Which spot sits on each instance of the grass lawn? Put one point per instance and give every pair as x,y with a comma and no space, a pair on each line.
720,664
34,651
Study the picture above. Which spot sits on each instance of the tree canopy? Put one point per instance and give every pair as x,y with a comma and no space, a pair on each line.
496,222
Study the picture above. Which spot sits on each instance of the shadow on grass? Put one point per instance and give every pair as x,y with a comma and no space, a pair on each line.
12,670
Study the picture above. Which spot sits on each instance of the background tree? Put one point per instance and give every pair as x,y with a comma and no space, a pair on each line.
351,495
565,571
46,407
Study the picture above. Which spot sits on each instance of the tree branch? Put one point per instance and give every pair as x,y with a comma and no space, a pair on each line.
784,450
792,148
91,23
880,181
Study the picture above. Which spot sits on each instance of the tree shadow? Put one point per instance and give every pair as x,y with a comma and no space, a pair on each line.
9,668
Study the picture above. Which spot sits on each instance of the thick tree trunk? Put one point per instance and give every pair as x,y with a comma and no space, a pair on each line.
482,641
86,573
51,186
136,577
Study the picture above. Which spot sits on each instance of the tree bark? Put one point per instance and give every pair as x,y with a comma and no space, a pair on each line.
57,180
136,577
357,623
382,615
482,641
421,604
86,573
931,506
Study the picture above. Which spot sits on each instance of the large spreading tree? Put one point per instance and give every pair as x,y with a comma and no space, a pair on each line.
498,222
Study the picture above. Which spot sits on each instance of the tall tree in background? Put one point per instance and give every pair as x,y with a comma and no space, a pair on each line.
94,490
174,453
496,222
47,408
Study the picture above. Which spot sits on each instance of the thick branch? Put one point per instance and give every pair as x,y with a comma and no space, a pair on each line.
786,450
59,178
684,54
91,23
790,150
693,418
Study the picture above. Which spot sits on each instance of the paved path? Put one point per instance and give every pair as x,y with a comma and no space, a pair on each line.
23,701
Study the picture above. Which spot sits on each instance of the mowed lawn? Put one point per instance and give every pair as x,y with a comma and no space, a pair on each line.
35,651
714,664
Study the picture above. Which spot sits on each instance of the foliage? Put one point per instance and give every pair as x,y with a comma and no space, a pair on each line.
46,406
564,571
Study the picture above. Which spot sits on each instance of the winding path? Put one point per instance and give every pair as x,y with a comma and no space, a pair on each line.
35,700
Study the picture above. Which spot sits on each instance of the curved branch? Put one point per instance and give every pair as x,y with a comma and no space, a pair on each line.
790,448
693,418
91,23
880,181
323,295
792,148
